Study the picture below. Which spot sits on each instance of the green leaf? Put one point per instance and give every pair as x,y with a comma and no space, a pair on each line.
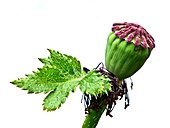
57,68
59,95
94,83
59,76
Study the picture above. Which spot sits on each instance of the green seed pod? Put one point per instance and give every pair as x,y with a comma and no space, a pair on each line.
128,47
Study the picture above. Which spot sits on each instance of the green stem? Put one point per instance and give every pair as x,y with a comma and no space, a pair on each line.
96,110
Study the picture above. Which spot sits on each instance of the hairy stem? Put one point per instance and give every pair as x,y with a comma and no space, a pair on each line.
95,112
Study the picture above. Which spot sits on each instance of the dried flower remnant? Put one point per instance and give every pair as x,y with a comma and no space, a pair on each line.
117,92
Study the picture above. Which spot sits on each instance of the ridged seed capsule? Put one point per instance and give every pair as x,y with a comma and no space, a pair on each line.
128,47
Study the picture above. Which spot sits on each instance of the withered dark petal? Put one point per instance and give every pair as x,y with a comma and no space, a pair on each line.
117,92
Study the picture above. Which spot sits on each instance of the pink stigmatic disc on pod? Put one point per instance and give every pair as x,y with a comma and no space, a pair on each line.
134,33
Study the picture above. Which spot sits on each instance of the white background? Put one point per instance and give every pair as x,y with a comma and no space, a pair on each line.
80,28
